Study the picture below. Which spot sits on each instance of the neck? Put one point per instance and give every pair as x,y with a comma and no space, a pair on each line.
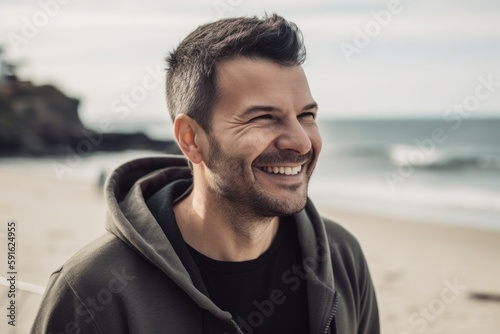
213,227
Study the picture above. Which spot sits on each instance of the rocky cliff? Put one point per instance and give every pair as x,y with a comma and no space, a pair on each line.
41,120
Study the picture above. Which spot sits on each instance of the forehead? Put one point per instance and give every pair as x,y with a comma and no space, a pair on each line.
243,81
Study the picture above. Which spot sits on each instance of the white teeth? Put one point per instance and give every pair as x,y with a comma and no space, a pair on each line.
296,170
283,170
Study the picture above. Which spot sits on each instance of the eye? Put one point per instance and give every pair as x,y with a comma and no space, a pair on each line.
307,115
265,116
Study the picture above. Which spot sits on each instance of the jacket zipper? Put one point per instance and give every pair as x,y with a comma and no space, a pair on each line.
332,314
238,329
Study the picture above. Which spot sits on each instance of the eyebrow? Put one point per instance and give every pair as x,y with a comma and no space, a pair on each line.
265,108
312,105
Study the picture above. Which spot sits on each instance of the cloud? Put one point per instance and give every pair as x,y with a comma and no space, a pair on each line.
429,53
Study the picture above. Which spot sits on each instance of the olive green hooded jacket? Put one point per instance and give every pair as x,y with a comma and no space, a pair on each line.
137,278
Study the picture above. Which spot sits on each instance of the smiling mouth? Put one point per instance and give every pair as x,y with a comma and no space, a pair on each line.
281,170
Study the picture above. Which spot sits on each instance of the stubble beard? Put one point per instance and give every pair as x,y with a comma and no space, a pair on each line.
231,183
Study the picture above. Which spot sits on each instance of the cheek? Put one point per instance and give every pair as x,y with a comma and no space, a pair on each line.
260,140
318,146
316,141
252,143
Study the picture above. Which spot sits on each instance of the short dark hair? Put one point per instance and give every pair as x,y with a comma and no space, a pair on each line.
191,67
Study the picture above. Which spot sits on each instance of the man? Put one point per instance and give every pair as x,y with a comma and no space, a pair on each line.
230,244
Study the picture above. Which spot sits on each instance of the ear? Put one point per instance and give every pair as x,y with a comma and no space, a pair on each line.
186,131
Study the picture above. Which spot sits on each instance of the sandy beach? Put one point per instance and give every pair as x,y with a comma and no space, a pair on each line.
429,278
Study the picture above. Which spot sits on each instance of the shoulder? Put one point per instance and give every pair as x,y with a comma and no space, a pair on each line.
339,236
76,291
345,248
103,250
98,265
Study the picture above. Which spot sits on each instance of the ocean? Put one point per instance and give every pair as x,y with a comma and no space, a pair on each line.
423,170
427,170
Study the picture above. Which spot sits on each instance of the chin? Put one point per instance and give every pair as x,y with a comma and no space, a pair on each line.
298,208
286,207
292,212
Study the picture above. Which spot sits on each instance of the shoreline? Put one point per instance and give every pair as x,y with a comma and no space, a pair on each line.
483,220
373,201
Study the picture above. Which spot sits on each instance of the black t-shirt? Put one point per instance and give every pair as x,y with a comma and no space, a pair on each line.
263,295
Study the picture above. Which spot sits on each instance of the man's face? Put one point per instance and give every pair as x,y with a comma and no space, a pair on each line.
264,140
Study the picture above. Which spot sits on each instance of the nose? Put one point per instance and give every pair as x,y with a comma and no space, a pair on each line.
294,137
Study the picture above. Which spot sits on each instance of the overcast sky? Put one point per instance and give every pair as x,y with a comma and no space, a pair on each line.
420,59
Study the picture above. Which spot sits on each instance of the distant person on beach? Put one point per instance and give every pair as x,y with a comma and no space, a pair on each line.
223,239
101,179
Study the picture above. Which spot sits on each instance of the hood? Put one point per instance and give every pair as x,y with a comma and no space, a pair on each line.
130,186
127,190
